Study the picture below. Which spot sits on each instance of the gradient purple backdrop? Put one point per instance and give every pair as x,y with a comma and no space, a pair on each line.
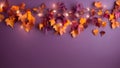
19,49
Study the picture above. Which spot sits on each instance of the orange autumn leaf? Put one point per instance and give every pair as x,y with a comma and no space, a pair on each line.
14,8
100,12
52,22
81,27
74,33
57,26
28,21
67,23
83,21
10,21
98,4
99,20
115,24
41,26
22,6
1,7
61,31
118,2
104,24
111,16
1,17
95,32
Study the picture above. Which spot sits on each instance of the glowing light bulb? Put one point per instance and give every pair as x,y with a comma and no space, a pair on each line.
66,14
87,16
88,9
104,6
1,7
40,14
54,5
17,11
54,11
60,24
21,26
77,14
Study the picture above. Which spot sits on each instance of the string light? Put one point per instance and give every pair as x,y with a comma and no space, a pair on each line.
21,26
88,9
66,14
58,15
104,6
54,11
77,14
54,5
40,14
1,7
87,16
18,11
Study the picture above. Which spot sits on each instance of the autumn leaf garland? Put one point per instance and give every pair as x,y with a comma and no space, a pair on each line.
59,18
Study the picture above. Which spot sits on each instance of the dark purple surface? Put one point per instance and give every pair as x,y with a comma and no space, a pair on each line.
19,49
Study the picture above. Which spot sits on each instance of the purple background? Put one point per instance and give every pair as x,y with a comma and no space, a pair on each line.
19,49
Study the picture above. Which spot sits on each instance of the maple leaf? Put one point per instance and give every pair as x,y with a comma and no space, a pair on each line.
10,21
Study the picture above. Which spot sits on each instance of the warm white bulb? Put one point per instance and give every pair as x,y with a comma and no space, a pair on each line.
54,11
77,14
21,26
66,14
60,24
87,16
104,6
17,11
88,9
1,5
54,5
40,14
